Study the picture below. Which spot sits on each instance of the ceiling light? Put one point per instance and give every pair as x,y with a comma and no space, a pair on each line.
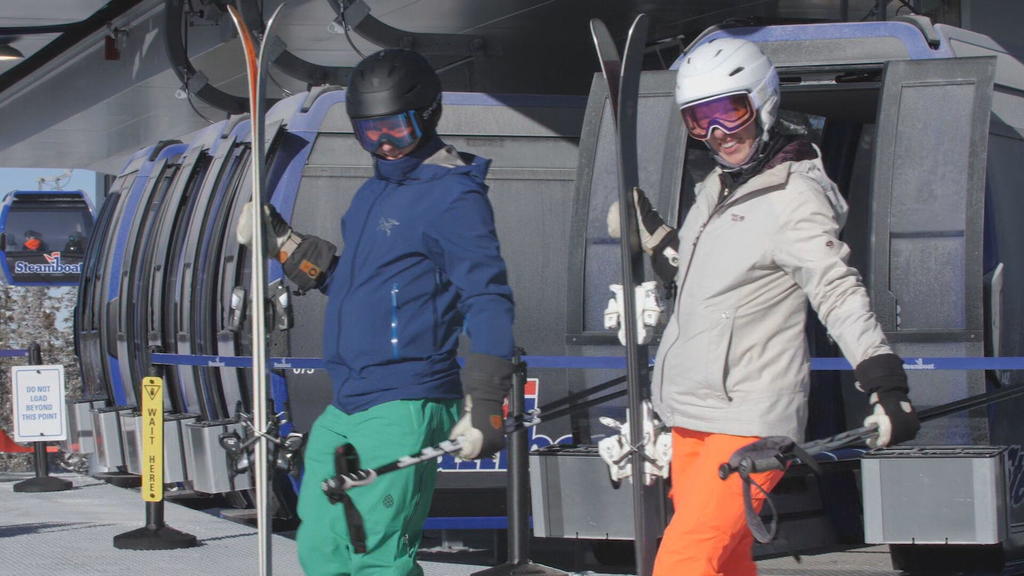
8,52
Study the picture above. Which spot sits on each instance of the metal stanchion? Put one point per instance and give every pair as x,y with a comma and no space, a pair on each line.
43,482
518,489
155,535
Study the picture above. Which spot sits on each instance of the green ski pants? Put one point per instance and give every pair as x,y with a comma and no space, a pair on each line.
393,508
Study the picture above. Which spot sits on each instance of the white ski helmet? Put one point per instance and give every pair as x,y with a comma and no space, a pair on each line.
729,65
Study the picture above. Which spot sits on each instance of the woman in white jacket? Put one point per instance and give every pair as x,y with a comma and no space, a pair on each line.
761,240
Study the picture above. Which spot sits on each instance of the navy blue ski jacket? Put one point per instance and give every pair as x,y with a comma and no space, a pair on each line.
420,263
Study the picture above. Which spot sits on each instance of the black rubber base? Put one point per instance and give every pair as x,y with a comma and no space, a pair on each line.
165,538
43,484
527,569
120,479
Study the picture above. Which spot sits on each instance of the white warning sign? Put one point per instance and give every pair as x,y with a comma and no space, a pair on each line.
38,400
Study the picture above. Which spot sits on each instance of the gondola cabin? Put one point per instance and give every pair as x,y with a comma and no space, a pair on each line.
43,235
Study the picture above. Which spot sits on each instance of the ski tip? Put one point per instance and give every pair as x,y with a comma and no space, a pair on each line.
640,25
599,31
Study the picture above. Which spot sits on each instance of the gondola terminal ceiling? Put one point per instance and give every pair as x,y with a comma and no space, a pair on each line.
97,84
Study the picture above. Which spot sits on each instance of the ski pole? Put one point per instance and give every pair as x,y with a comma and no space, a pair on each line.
340,483
566,405
787,454
583,394
778,452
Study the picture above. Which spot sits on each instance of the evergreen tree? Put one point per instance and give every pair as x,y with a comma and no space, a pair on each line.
45,316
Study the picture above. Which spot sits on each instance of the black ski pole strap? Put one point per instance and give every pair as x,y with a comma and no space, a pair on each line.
769,453
346,461
762,534
356,530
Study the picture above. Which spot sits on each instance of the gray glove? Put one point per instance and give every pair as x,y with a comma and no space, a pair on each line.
485,382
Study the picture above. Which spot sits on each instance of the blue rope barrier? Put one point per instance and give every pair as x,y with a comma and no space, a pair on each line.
598,362
13,353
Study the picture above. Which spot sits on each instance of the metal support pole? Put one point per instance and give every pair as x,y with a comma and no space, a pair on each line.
517,492
42,482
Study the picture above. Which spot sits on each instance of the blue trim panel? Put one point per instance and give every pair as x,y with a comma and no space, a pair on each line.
607,362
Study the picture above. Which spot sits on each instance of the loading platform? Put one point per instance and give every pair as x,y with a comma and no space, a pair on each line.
71,533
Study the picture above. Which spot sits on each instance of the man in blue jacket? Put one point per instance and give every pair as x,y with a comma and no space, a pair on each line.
421,264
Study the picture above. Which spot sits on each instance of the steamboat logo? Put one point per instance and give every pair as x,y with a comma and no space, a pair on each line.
53,265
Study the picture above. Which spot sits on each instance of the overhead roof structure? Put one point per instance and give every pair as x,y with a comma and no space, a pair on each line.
97,81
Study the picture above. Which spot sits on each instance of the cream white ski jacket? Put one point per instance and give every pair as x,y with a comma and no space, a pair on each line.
733,358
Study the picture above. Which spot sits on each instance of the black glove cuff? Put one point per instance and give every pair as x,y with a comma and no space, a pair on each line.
883,372
487,378
664,267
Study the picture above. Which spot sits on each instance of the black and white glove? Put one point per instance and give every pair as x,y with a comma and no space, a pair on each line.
882,377
485,382
305,259
657,239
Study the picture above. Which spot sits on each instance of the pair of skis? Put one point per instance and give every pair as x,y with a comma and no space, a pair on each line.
256,62
622,77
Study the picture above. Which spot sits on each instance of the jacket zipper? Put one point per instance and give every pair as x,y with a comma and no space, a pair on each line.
394,320
682,283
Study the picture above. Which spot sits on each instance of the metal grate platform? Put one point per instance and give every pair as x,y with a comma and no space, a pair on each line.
71,533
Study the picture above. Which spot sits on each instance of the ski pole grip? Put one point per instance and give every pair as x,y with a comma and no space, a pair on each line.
725,470
337,485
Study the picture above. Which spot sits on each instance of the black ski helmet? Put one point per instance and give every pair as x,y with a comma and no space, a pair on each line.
393,81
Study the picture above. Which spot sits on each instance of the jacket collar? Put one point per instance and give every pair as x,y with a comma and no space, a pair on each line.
400,170
774,171
431,161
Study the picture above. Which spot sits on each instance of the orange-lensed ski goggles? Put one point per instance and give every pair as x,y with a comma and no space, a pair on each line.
399,130
729,113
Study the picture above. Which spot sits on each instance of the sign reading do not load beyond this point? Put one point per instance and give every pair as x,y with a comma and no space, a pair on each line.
38,400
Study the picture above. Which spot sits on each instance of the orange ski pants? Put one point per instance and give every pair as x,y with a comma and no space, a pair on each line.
708,534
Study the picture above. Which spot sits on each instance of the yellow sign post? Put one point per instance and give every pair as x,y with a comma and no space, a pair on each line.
152,439
155,535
